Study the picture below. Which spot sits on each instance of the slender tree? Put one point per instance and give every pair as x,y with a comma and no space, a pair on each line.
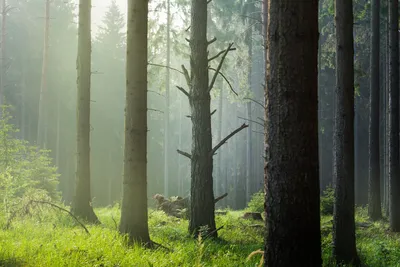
3,50
374,194
134,216
394,179
167,107
344,249
81,205
291,136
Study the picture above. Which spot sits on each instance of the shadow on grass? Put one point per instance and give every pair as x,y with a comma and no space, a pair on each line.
11,263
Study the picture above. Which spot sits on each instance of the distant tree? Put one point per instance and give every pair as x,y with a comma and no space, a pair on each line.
344,249
134,215
81,205
291,136
374,196
394,172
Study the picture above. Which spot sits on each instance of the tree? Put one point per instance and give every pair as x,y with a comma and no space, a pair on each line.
344,249
374,195
81,205
134,217
291,136
394,181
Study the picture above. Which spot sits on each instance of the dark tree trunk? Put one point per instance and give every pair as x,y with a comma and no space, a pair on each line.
394,179
374,190
202,195
81,203
291,170
134,214
344,243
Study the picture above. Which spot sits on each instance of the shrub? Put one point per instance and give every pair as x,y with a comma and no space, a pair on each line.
327,199
256,204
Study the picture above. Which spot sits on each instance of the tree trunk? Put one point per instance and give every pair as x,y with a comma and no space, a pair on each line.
134,214
202,195
42,123
374,194
3,51
344,249
291,138
82,200
166,112
218,178
394,179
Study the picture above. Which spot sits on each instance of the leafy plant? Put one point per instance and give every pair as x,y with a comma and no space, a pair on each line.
256,204
326,201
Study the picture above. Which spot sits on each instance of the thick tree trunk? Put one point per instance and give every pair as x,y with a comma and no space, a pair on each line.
394,179
81,205
374,194
202,195
291,138
134,214
344,249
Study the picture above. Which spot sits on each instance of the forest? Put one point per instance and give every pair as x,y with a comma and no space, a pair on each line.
199,133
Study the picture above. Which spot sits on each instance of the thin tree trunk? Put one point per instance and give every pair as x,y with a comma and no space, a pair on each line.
81,205
166,112
394,179
218,178
3,51
134,214
202,196
344,249
374,196
58,131
42,123
180,177
291,138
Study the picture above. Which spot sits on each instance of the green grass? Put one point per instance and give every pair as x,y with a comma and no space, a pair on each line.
53,239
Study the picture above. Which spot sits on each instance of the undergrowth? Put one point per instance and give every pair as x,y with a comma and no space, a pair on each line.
51,238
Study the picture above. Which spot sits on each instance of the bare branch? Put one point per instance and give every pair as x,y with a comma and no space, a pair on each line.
261,119
187,40
256,122
220,53
226,79
184,154
163,66
157,110
186,74
183,91
220,197
212,41
223,141
213,112
255,101
219,67
155,92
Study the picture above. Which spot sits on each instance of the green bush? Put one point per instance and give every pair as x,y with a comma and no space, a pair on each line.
256,204
327,199
25,170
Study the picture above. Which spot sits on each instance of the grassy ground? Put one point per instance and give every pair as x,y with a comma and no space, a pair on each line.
52,239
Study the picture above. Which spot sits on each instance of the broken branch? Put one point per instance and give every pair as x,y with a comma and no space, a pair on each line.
220,197
186,74
184,154
183,91
226,79
219,66
212,113
223,141
212,41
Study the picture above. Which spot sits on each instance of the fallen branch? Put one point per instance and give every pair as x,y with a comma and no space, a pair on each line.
184,154
62,209
183,91
223,141
226,79
219,66
220,197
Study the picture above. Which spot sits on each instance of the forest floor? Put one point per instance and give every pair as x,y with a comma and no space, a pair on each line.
50,238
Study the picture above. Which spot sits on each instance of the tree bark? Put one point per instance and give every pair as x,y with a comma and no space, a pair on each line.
344,249
81,205
374,194
394,179
291,138
134,214
202,195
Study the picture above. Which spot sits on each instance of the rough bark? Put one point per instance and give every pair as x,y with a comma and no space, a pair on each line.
291,139
81,205
344,242
374,190
134,214
394,179
202,195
